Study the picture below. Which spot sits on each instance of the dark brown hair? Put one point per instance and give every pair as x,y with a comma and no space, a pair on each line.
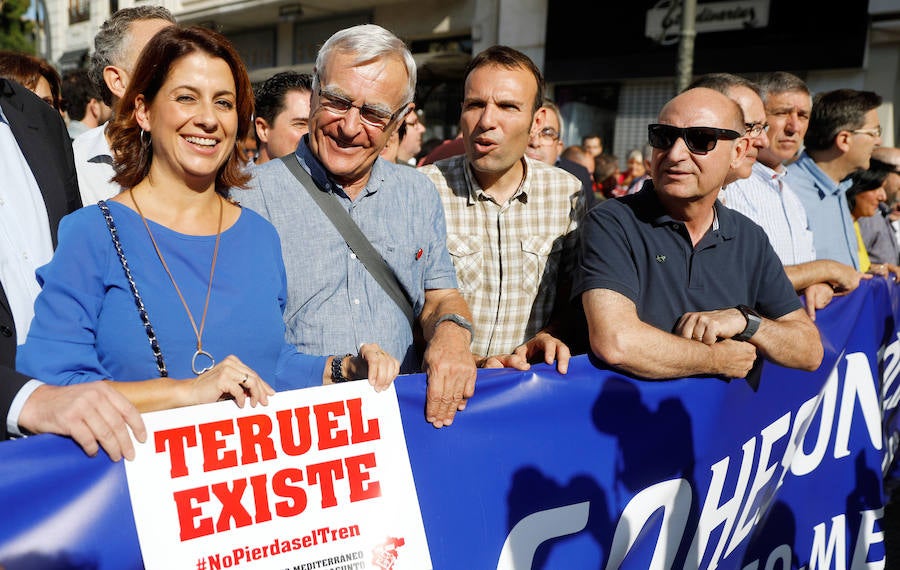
509,58
132,155
28,70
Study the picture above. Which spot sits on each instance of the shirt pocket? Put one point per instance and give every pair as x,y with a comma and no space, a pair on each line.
467,255
541,262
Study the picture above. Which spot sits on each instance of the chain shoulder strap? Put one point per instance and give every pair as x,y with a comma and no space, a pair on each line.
139,303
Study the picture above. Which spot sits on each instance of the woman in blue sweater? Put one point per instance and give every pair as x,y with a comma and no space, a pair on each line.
195,287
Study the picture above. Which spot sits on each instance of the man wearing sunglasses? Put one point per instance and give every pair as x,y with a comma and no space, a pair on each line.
843,130
673,283
511,220
363,87
763,193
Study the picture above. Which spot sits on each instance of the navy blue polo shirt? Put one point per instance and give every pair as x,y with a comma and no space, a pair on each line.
631,246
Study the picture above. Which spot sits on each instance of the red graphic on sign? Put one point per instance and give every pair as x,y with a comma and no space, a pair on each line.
384,556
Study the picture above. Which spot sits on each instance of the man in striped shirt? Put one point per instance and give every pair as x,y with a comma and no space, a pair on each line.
766,197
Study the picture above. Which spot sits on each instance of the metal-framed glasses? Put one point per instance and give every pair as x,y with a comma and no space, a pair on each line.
699,140
876,132
548,136
756,129
368,114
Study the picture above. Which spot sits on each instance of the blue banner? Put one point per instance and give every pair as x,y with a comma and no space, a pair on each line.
588,470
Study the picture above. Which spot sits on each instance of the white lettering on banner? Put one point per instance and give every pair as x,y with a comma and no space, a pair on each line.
890,395
760,474
867,536
535,529
859,385
764,473
713,514
891,364
674,497
825,548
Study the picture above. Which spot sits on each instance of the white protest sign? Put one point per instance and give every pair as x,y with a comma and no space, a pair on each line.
318,479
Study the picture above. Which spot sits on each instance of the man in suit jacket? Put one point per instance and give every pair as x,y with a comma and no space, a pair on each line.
92,414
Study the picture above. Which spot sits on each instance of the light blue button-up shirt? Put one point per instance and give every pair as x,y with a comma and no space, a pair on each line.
334,304
826,210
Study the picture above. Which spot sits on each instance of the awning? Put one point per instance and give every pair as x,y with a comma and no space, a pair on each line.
73,59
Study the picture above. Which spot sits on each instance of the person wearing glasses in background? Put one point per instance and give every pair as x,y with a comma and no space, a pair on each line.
545,144
843,130
511,220
777,109
363,87
675,284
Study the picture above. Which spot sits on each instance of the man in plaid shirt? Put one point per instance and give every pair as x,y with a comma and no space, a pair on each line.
511,220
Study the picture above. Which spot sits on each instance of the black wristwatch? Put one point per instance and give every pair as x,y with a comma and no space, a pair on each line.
753,321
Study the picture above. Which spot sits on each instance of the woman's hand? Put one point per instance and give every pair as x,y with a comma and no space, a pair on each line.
885,270
373,363
229,379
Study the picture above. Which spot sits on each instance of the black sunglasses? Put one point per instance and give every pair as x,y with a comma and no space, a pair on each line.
699,140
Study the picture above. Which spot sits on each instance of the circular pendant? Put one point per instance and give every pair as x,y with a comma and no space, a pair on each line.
201,354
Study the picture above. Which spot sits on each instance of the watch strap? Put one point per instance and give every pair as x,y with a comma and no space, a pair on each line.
753,321
459,320
337,372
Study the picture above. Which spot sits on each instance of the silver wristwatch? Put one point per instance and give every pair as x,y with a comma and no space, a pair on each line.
459,320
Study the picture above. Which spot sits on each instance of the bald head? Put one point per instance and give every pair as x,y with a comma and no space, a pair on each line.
711,108
685,175
887,154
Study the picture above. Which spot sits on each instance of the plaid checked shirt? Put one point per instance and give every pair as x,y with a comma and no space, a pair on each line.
508,257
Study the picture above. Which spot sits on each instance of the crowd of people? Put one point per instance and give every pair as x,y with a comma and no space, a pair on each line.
151,265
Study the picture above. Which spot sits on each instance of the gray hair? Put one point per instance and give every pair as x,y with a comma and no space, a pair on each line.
368,42
110,41
781,82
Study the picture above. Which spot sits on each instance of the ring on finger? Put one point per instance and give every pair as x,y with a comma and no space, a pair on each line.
243,381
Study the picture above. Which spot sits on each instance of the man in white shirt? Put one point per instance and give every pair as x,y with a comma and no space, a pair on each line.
779,108
116,49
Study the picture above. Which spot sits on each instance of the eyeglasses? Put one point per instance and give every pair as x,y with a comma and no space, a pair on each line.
756,129
548,135
876,132
373,116
699,140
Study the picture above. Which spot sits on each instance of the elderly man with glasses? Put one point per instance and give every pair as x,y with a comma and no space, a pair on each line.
396,273
778,108
511,220
675,284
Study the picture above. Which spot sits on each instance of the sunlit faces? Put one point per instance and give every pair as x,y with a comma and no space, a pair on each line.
192,121
497,117
346,145
544,143
42,90
754,117
681,174
864,140
284,134
411,144
593,146
867,202
788,116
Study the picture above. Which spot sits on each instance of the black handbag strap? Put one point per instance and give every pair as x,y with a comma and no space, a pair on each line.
354,237
139,303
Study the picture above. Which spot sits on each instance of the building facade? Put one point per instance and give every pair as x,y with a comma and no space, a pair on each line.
609,73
